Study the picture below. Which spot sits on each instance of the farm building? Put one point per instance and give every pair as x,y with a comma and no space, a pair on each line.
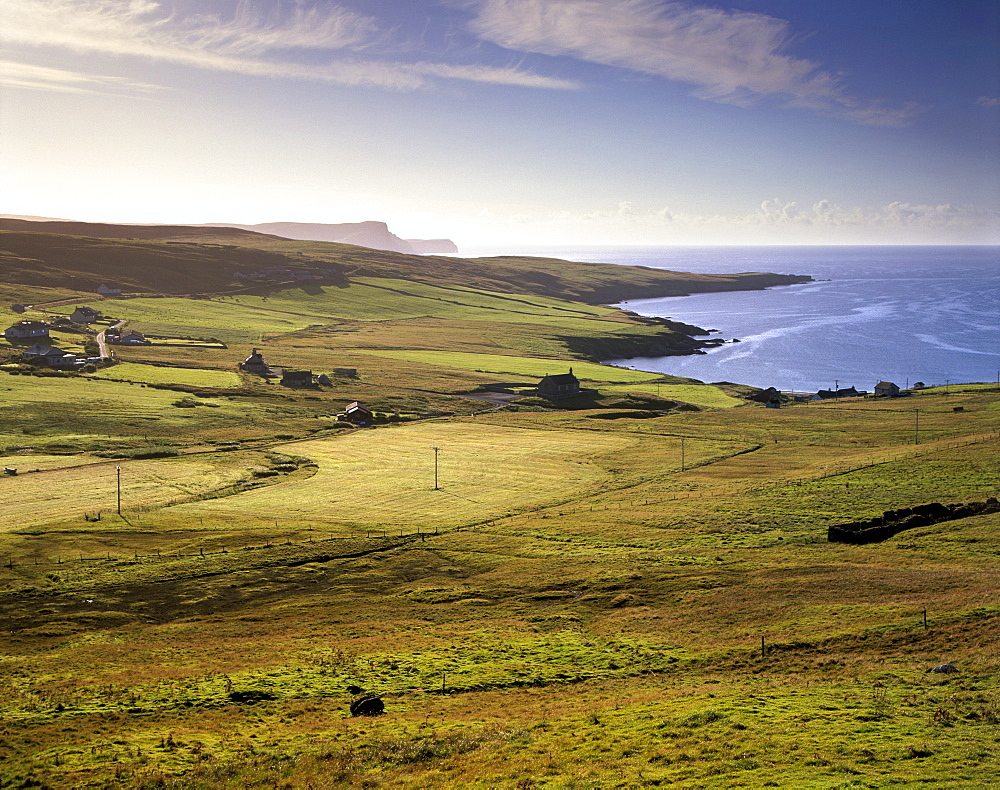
85,315
47,355
255,364
132,336
849,392
355,412
886,389
562,385
296,378
104,290
24,330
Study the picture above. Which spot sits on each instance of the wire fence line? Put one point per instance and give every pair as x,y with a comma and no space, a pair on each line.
541,511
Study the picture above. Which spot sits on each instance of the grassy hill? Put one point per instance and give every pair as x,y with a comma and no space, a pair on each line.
177,259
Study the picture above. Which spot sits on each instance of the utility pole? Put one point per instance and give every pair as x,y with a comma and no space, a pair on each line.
836,384
916,426
683,465
118,471
436,451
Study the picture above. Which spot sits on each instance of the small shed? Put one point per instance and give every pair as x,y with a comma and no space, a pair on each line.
105,290
886,389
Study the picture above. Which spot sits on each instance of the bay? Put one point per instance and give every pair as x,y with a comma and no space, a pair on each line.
901,314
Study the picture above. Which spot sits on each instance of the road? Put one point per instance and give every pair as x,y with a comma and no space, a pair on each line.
102,343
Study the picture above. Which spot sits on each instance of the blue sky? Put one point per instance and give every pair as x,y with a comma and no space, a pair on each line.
512,122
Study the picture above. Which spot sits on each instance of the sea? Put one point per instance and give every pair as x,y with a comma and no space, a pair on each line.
905,314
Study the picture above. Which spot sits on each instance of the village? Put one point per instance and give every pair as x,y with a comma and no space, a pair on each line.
29,337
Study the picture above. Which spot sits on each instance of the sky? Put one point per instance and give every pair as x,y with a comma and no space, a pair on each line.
512,122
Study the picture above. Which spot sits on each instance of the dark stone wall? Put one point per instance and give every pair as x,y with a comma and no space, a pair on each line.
892,522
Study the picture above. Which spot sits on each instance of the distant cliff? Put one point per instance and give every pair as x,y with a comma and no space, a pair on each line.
375,235
432,246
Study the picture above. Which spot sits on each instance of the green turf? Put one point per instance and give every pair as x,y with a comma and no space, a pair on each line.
515,366
151,374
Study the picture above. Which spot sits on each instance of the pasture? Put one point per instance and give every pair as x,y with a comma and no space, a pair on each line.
153,374
592,598
384,479
514,366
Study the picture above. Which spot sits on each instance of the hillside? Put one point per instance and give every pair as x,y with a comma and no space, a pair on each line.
179,259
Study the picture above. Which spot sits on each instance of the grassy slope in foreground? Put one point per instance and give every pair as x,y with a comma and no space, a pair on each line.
607,640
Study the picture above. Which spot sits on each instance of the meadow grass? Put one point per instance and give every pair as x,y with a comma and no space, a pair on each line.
700,395
515,366
152,374
584,604
483,471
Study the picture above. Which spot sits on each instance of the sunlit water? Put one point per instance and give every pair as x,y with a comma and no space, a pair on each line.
902,314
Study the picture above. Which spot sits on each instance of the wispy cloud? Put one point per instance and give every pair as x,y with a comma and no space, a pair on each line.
266,39
728,56
23,75
988,101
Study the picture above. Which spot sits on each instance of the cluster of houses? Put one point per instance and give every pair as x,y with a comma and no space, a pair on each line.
47,355
884,389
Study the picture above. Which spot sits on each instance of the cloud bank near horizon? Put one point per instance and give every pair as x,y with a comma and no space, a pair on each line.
773,216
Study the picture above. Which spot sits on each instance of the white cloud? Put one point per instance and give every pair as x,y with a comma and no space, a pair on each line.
988,101
729,56
774,221
22,75
256,38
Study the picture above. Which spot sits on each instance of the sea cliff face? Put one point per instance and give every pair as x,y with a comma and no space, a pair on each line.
374,235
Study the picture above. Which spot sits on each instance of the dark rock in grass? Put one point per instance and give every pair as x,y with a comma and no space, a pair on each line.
355,690
367,705
250,697
948,668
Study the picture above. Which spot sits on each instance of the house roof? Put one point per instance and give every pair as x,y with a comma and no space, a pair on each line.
355,406
562,378
45,351
30,324
884,385
844,393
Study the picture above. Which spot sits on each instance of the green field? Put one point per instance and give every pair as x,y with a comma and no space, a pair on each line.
151,374
615,593
386,480
513,366
700,395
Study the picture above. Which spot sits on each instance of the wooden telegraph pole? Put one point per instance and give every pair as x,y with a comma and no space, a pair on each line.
118,471
436,451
